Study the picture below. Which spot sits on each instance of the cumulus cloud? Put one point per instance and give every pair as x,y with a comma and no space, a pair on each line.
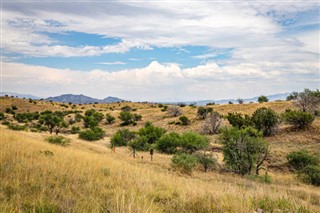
156,81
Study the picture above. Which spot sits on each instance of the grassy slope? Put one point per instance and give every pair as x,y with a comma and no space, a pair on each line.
88,177
85,178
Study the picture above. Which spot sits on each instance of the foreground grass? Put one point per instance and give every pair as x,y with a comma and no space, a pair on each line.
36,176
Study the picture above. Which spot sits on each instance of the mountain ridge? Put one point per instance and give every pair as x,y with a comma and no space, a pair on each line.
82,99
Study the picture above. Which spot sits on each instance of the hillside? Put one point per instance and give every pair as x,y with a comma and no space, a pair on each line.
89,177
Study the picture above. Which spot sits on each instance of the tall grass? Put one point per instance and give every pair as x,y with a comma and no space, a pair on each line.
81,180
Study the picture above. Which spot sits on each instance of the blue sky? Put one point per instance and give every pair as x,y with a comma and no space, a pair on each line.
159,51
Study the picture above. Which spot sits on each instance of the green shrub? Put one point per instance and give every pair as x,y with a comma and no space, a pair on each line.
244,150
140,144
59,140
75,130
238,120
181,104
203,111
184,162
126,109
300,159
17,127
93,134
26,117
262,99
110,119
137,117
122,137
2,116
126,118
191,142
165,107
265,120
9,111
311,174
184,120
6,123
152,133
168,143
78,117
298,119
92,118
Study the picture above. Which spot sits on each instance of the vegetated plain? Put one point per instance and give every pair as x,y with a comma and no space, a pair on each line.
37,176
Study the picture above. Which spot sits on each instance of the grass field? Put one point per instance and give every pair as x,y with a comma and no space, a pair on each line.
88,177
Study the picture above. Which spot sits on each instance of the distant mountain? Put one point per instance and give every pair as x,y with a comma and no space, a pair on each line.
111,100
82,99
282,96
27,96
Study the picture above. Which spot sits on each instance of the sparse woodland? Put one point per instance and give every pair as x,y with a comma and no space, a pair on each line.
148,157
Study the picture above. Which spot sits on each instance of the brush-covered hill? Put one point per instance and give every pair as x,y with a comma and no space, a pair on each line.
90,177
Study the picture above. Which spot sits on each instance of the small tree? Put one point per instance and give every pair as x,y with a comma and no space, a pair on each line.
212,123
262,99
184,120
292,96
151,132
298,119
240,100
184,162
51,121
265,120
122,137
110,119
203,112
60,125
308,101
244,150
92,118
174,111
139,144
238,120
206,160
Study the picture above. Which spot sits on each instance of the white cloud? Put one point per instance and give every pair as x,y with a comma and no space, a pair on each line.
157,81
145,24
112,63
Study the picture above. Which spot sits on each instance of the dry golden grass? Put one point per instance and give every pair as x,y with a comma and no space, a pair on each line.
88,177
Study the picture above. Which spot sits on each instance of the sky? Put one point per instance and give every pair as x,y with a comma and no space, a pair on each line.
159,50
